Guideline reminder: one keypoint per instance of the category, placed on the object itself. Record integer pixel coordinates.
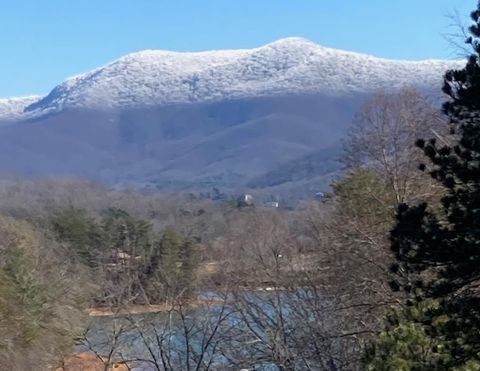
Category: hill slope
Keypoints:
(197, 120)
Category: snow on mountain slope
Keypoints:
(288, 66)
(13, 108)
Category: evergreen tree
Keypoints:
(170, 256)
(79, 230)
(124, 232)
(448, 243)
(188, 259)
(438, 250)
(169, 273)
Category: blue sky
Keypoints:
(44, 41)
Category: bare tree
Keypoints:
(458, 35)
(183, 336)
(287, 317)
(383, 135)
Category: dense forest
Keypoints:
(380, 274)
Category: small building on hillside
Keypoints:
(119, 257)
(272, 204)
(245, 200)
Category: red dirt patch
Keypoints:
(88, 362)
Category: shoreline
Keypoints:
(165, 307)
(145, 309)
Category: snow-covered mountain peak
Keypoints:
(287, 66)
(295, 42)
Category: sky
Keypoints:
(45, 41)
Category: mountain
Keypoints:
(289, 66)
(175, 120)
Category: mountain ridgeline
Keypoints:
(269, 118)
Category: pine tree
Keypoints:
(168, 271)
(438, 249)
(446, 244)
(189, 263)
(79, 230)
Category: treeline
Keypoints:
(132, 263)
